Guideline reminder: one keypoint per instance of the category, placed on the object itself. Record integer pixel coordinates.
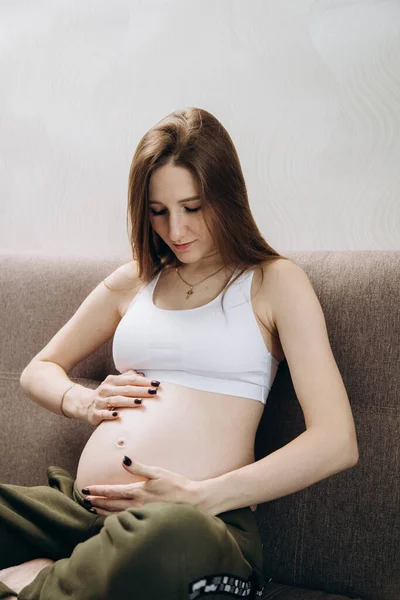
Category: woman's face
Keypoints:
(174, 196)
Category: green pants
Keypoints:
(162, 551)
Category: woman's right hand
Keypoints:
(118, 391)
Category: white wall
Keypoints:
(309, 92)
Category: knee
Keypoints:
(177, 522)
(183, 521)
(165, 526)
(156, 538)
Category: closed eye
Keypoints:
(162, 212)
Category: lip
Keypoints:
(183, 246)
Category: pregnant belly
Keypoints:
(191, 432)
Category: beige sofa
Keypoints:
(339, 538)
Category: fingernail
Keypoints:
(138, 401)
(152, 391)
(85, 491)
(87, 502)
(140, 373)
(115, 414)
(93, 510)
(155, 382)
(127, 461)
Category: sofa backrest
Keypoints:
(340, 534)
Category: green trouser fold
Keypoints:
(161, 551)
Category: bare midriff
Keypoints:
(194, 433)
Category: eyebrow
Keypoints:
(179, 201)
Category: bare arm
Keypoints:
(45, 383)
(45, 379)
(329, 444)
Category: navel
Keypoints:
(120, 442)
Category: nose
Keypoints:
(177, 228)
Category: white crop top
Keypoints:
(198, 347)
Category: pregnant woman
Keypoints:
(162, 505)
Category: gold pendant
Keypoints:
(190, 292)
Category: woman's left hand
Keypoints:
(161, 486)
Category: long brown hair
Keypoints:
(194, 139)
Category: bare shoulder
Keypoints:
(280, 267)
(277, 275)
(125, 283)
(124, 277)
(291, 296)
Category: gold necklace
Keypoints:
(190, 292)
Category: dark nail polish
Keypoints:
(85, 491)
(127, 461)
(140, 373)
(93, 510)
(155, 382)
(152, 391)
(87, 503)
(138, 401)
(115, 414)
